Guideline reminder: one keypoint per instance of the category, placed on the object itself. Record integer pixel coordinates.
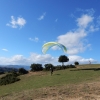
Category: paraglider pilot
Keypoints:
(51, 70)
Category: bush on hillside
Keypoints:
(22, 71)
(76, 63)
(59, 67)
(1, 72)
(9, 78)
(13, 72)
(72, 66)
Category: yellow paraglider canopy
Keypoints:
(48, 45)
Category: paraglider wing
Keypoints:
(48, 45)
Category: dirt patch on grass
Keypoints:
(40, 73)
(84, 91)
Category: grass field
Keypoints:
(38, 85)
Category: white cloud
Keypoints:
(15, 23)
(16, 59)
(87, 11)
(36, 39)
(33, 58)
(84, 20)
(42, 16)
(81, 60)
(5, 50)
(90, 11)
(42, 59)
(75, 40)
(93, 28)
(98, 20)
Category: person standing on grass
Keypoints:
(89, 62)
(51, 71)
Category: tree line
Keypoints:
(12, 76)
(61, 59)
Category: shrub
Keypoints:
(1, 72)
(59, 67)
(72, 66)
(14, 73)
(9, 78)
(76, 63)
(22, 71)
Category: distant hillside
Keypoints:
(5, 68)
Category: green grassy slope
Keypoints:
(60, 77)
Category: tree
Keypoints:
(36, 67)
(63, 59)
(48, 66)
(76, 63)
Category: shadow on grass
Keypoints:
(95, 69)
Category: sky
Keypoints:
(25, 25)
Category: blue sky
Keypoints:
(25, 25)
